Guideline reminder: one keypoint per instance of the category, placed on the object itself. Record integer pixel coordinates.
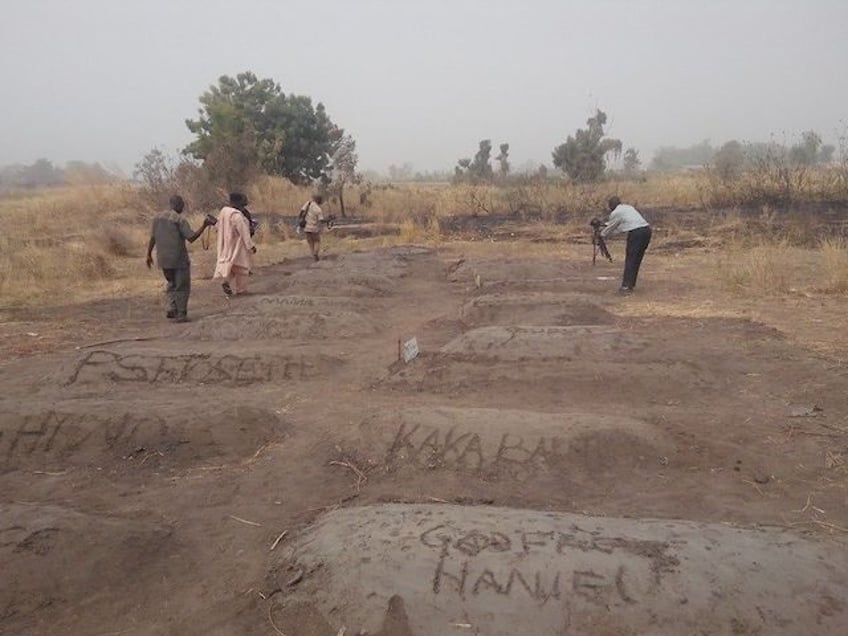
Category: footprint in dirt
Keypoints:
(306, 620)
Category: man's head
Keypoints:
(238, 199)
(318, 199)
(613, 202)
(177, 203)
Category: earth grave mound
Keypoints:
(535, 308)
(64, 558)
(509, 444)
(523, 342)
(503, 571)
(194, 363)
(100, 432)
(334, 323)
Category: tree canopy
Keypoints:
(253, 123)
(479, 169)
(583, 155)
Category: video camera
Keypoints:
(598, 242)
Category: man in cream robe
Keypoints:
(235, 246)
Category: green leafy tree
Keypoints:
(583, 155)
(246, 124)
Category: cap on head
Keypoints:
(177, 203)
(238, 199)
(613, 202)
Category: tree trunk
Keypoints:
(341, 200)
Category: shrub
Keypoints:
(116, 241)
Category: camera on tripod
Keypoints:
(598, 242)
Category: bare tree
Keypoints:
(344, 162)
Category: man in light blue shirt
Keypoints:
(626, 219)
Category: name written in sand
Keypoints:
(108, 366)
(539, 566)
(464, 450)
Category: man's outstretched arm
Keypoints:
(192, 236)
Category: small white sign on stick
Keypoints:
(410, 350)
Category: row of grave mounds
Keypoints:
(418, 570)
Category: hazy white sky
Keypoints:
(423, 80)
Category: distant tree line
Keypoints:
(42, 173)
(582, 156)
(735, 156)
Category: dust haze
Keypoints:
(423, 82)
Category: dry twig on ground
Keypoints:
(360, 476)
(278, 539)
(245, 521)
(273, 624)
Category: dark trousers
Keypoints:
(179, 286)
(637, 243)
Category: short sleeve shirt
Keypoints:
(170, 231)
(314, 216)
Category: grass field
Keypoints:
(83, 242)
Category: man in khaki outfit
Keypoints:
(311, 217)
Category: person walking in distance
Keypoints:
(310, 219)
(625, 219)
(235, 246)
(168, 234)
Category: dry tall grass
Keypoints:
(55, 243)
(760, 269)
(834, 255)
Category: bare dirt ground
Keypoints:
(158, 478)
